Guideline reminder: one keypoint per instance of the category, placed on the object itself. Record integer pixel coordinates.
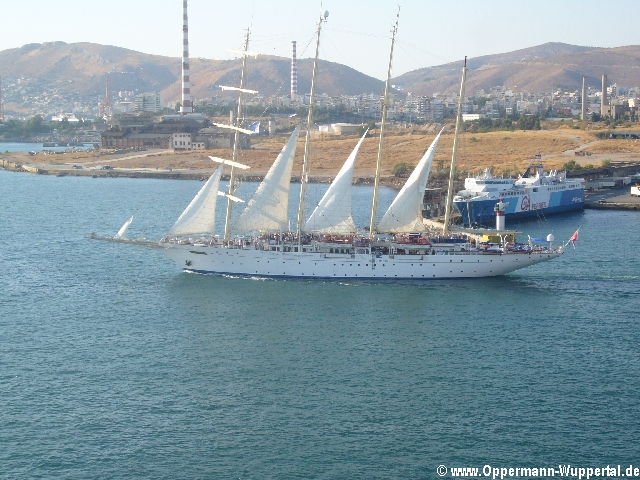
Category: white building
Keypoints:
(184, 141)
(467, 117)
(148, 102)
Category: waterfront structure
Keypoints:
(124, 139)
(186, 141)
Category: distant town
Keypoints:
(38, 109)
(141, 115)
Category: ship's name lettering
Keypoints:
(538, 206)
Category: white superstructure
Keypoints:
(534, 193)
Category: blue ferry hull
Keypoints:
(521, 206)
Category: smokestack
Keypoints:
(294, 73)
(584, 98)
(105, 109)
(604, 103)
(186, 108)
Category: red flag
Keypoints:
(574, 238)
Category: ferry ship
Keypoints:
(535, 193)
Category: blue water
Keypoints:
(33, 147)
(114, 364)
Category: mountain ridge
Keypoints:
(83, 68)
(538, 69)
(87, 65)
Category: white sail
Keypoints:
(200, 215)
(405, 213)
(123, 229)
(267, 210)
(333, 213)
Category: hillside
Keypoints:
(536, 69)
(83, 68)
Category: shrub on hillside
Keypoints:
(402, 169)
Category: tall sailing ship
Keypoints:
(327, 244)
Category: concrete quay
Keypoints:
(615, 199)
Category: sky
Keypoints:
(356, 34)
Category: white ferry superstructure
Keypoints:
(533, 194)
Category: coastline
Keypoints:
(174, 174)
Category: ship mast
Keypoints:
(447, 213)
(305, 161)
(376, 185)
(236, 141)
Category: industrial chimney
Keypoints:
(105, 109)
(584, 98)
(604, 103)
(294, 73)
(186, 108)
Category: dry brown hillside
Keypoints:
(506, 153)
(560, 68)
(83, 68)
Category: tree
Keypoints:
(529, 122)
(402, 169)
(571, 165)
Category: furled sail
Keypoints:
(405, 213)
(200, 215)
(333, 213)
(267, 210)
(123, 230)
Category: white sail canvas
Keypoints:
(123, 230)
(405, 213)
(200, 215)
(267, 210)
(333, 213)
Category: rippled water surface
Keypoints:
(114, 364)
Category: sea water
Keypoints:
(35, 147)
(115, 364)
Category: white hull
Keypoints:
(261, 263)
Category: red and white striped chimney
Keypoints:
(186, 107)
(294, 73)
